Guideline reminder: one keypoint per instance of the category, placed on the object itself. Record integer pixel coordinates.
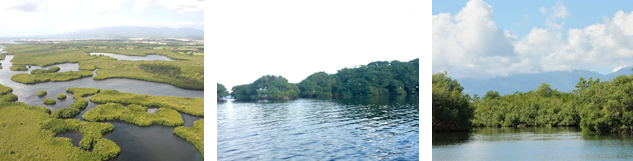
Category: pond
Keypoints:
(154, 142)
(312, 129)
(531, 143)
(135, 58)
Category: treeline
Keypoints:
(380, 78)
(595, 106)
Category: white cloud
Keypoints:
(459, 47)
(101, 6)
(183, 5)
(21, 5)
(140, 5)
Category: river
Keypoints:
(384, 128)
(156, 142)
(531, 143)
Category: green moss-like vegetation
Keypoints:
(61, 96)
(193, 106)
(18, 68)
(135, 114)
(41, 93)
(28, 133)
(80, 102)
(45, 77)
(3, 56)
(49, 70)
(49, 101)
(187, 72)
(193, 134)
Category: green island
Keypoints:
(41, 93)
(61, 96)
(595, 106)
(380, 78)
(18, 68)
(25, 129)
(134, 113)
(194, 134)
(186, 72)
(46, 76)
(192, 106)
(79, 104)
(49, 101)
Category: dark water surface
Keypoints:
(310, 129)
(154, 142)
(532, 143)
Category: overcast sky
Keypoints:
(483, 39)
(43, 17)
(294, 39)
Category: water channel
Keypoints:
(156, 142)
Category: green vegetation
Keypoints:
(46, 76)
(451, 107)
(49, 101)
(193, 134)
(61, 96)
(28, 133)
(18, 68)
(2, 56)
(80, 102)
(221, 92)
(595, 106)
(135, 114)
(41, 93)
(380, 78)
(6, 95)
(187, 72)
(268, 88)
(49, 70)
(193, 106)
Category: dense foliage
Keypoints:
(49, 101)
(45, 76)
(41, 93)
(221, 92)
(380, 78)
(49, 70)
(192, 106)
(79, 104)
(135, 114)
(193, 134)
(18, 68)
(451, 107)
(266, 88)
(61, 96)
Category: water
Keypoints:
(73, 135)
(154, 142)
(135, 58)
(532, 143)
(311, 129)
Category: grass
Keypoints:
(49, 70)
(49, 101)
(192, 106)
(18, 68)
(41, 93)
(135, 114)
(193, 134)
(187, 72)
(28, 133)
(61, 96)
(46, 76)
(80, 102)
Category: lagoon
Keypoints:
(379, 128)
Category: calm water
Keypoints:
(154, 142)
(311, 129)
(135, 58)
(532, 143)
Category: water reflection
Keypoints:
(323, 129)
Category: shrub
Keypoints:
(41, 93)
(61, 96)
(49, 101)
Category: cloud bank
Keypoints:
(471, 45)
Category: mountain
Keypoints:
(561, 80)
(131, 32)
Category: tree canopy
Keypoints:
(221, 91)
(267, 88)
(451, 107)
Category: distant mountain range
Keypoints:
(561, 80)
(131, 32)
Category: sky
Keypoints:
(294, 39)
(44, 17)
(485, 39)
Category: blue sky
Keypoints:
(42, 17)
(550, 48)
